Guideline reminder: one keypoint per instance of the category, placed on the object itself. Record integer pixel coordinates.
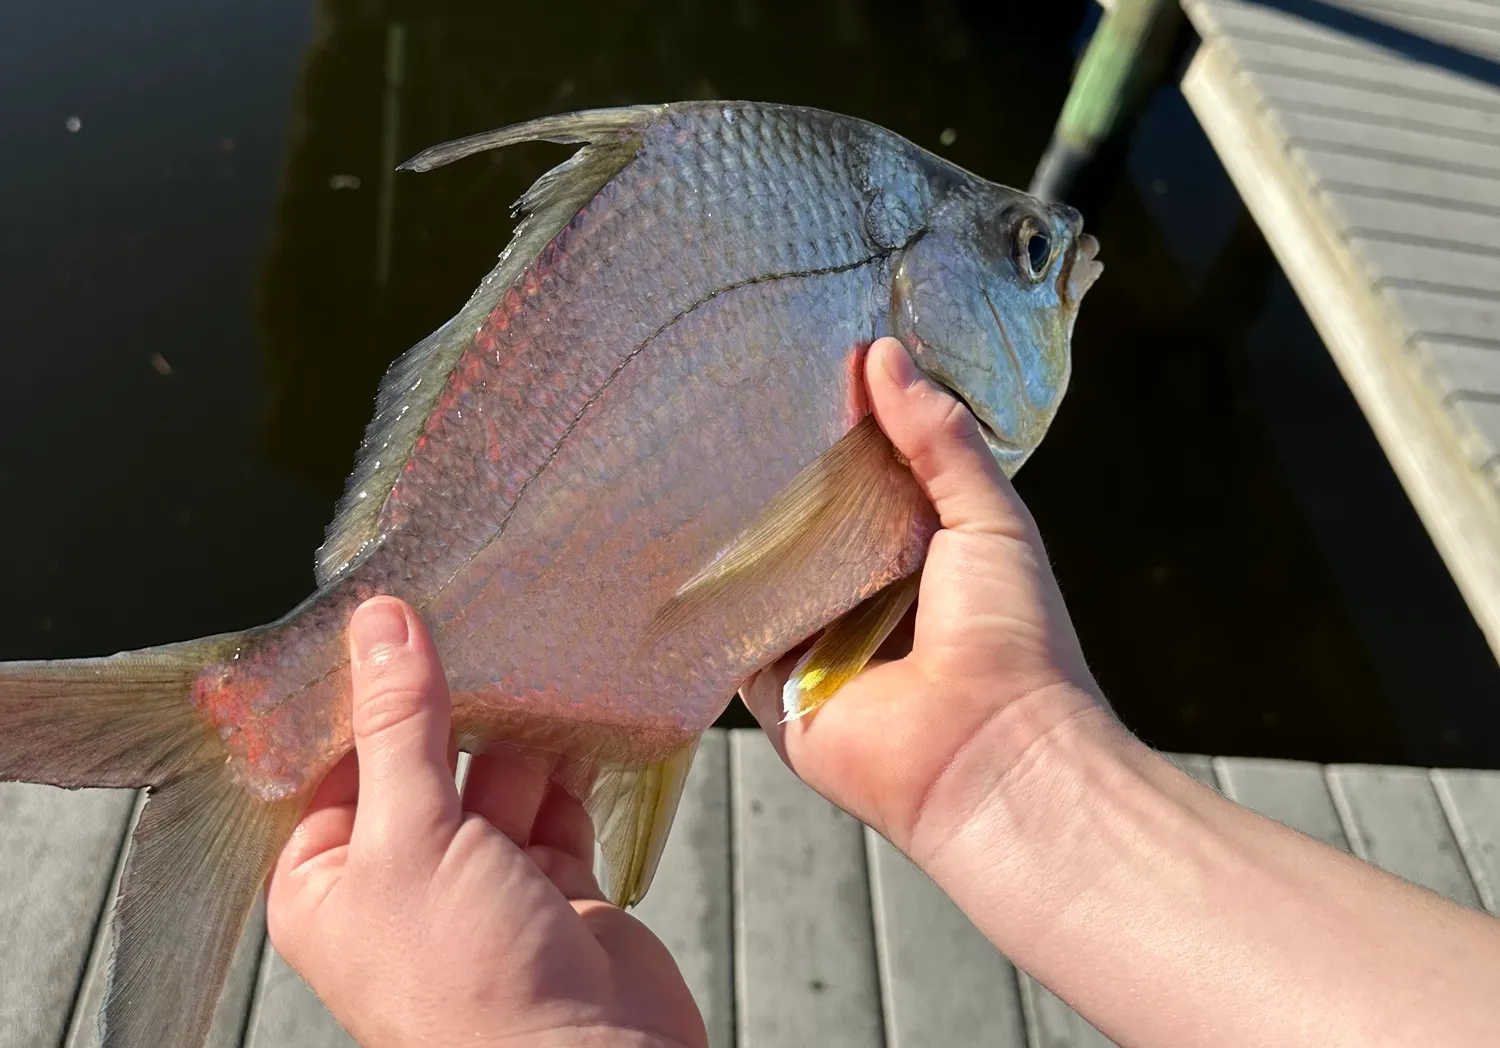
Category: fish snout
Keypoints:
(1082, 270)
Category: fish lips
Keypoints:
(1081, 270)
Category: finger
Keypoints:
(506, 787)
(570, 875)
(941, 439)
(328, 821)
(563, 823)
(408, 801)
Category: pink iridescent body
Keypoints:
(611, 419)
(668, 364)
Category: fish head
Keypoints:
(984, 298)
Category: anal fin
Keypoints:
(845, 648)
(632, 807)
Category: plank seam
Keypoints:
(1374, 119)
(884, 1027)
(1332, 186)
(1442, 287)
(1456, 247)
(731, 816)
(1400, 159)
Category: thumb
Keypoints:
(942, 441)
(407, 798)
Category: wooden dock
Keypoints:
(793, 924)
(1364, 137)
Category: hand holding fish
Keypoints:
(1157, 908)
(421, 916)
(995, 665)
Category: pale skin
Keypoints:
(1167, 915)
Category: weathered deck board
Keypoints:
(57, 856)
(1471, 802)
(804, 942)
(1291, 792)
(1364, 136)
(1392, 818)
(288, 1013)
(793, 924)
(941, 981)
(688, 906)
(1052, 1024)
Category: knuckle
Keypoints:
(385, 705)
(957, 422)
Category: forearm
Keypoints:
(1170, 916)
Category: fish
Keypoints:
(636, 467)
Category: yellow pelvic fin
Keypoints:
(632, 807)
(845, 648)
(849, 498)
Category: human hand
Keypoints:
(915, 746)
(421, 917)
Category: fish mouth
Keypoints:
(1000, 446)
(1081, 270)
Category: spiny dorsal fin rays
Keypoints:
(848, 498)
(845, 648)
(586, 127)
(410, 389)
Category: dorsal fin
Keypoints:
(610, 139)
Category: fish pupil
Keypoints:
(1038, 251)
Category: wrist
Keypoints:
(1005, 779)
(1042, 811)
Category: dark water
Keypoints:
(206, 262)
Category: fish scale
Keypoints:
(634, 468)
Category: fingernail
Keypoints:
(377, 625)
(899, 366)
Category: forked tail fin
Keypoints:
(202, 847)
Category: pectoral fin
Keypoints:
(849, 499)
(845, 648)
(632, 807)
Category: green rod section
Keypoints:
(1127, 43)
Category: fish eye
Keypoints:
(1033, 249)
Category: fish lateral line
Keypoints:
(845, 267)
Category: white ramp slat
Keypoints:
(1393, 819)
(941, 981)
(688, 906)
(1304, 195)
(1471, 801)
(58, 850)
(1430, 147)
(230, 1013)
(804, 941)
(288, 1014)
(1293, 793)
(1413, 222)
(1053, 1024)
(1291, 92)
